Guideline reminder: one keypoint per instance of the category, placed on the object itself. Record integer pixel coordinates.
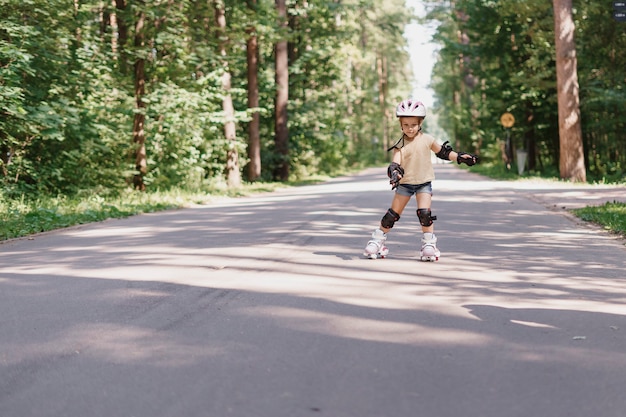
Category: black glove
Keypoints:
(395, 173)
(463, 158)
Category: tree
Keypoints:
(139, 133)
(252, 58)
(571, 158)
(282, 95)
(233, 174)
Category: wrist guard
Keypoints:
(395, 173)
(467, 159)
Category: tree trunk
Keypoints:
(233, 176)
(139, 135)
(139, 138)
(381, 69)
(282, 96)
(571, 158)
(254, 136)
(463, 98)
(119, 23)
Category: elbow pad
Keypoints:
(444, 153)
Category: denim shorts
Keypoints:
(409, 189)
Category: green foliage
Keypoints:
(68, 99)
(187, 143)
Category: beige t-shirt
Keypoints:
(416, 159)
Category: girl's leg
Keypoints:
(376, 246)
(423, 202)
(398, 204)
(429, 251)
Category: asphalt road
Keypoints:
(264, 306)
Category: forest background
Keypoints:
(100, 98)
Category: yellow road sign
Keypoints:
(507, 120)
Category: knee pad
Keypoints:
(389, 219)
(426, 219)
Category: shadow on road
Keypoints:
(265, 306)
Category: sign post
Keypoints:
(507, 120)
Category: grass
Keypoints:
(612, 216)
(23, 217)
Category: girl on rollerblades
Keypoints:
(411, 173)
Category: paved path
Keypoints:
(264, 306)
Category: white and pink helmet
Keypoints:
(411, 107)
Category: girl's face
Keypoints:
(411, 125)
